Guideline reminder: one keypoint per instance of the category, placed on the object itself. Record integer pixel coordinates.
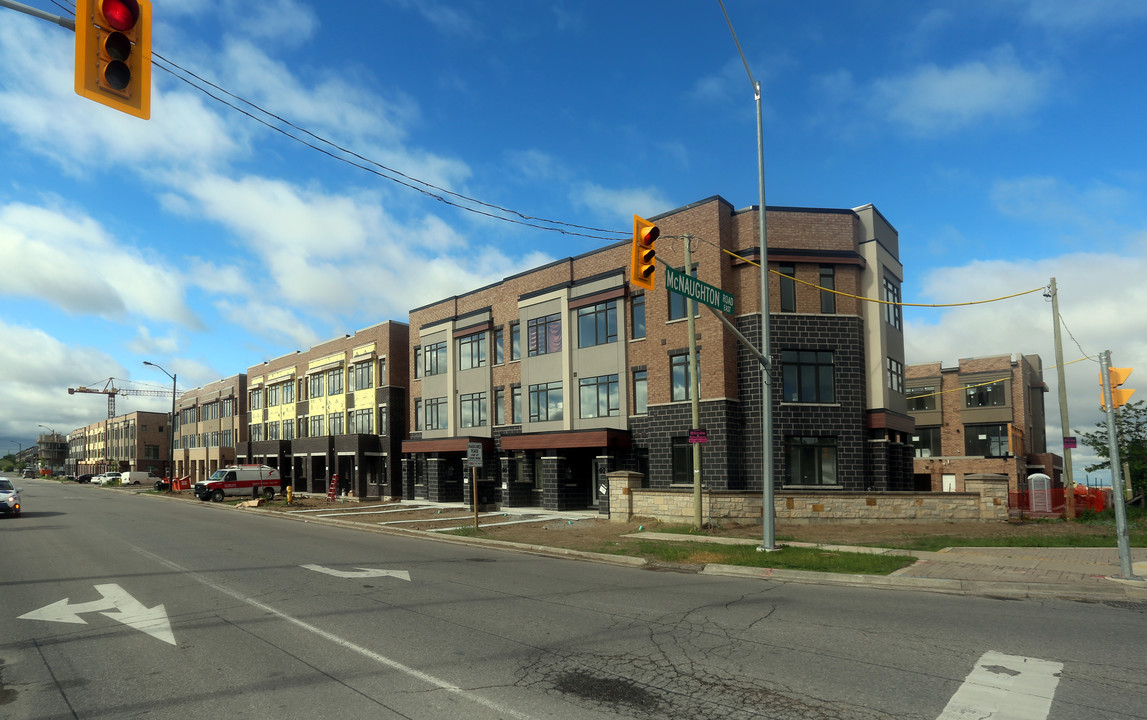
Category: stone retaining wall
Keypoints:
(986, 500)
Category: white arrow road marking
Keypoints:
(360, 573)
(116, 604)
(1005, 687)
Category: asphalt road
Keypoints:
(122, 605)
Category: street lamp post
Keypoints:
(171, 422)
(768, 511)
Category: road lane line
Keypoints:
(341, 642)
(1005, 687)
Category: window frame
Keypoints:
(597, 324)
(808, 371)
(602, 391)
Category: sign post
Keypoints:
(474, 461)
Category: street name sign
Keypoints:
(694, 289)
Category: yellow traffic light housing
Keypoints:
(113, 54)
(642, 267)
(1119, 396)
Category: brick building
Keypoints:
(984, 416)
(133, 441)
(338, 408)
(566, 372)
(211, 424)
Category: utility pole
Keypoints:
(694, 387)
(1068, 480)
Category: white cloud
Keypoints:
(67, 260)
(1072, 15)
(619, 205)
(932, 99)
(38, 104)
(38, 370)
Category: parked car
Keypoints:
(85, 478)
(135, 477)
(29, 473)
(9, 498)
(105, 478)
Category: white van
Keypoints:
(136, 477)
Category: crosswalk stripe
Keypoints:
(1005, 687)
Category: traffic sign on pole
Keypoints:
(694, 289)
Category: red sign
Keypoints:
(698, 436)
(1069, 443)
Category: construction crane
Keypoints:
(111, 391)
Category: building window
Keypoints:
(316, 426)
(418, 414)
(926, 441)
(499, 346)
(472, 407)
(546, 402)
(381, 372)
(991, 395)
(892, 302)
(827, 282)
(472, 351)
(986, 440)
(435, 356)
(255, 432)
(808, 376)
(288, 392)
(437, 415)
(515, 341)
(272, 431)
(599, 396)
(895, 375)
(418, 361)
(383, 420)
(288, 426)
(921, 398)
(640, 392)
(811, 460)
(678, 303)
(256, 401)
(335, 383)
(683, 461)
(500, 406)
(597, 324)
(637, 313)
(315, 385)
(335, 421)
(273, 396)
(679, 374)
(544, 335)
(228, 440)
(362, 422)
(788, 288)
(516, 403)
(363, 375)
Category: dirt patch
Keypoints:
(601, 535)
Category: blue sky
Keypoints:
(1001, 138)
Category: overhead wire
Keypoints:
(869, 299)
(431, 190)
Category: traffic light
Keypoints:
(642, 269)
(1119, 396)
(113, 54)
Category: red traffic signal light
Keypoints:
(113, 54)
(642, 267)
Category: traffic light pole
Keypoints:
(64, 22)
(1121, 530)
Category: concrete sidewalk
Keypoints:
(1090, 574)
